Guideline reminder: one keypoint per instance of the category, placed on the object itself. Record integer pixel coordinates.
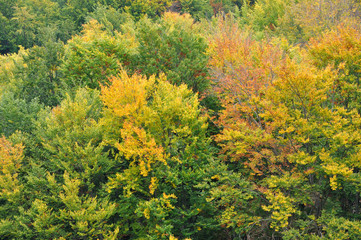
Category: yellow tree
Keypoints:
(158, 134)
(10, 157)
(340, 49)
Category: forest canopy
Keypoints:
(187, 119)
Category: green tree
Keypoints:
(65, 173)
(6, 42)
(112, 19)
(136, 164)
(197, 8)
(37, 77)
(72, 139)
(174, 46)
(90, 59)
(17, 114)
(8, 68)
(31, 18)
(77, 10)
(139, 8)
(25, 23)
(263, 15)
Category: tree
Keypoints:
(6, 42)
(66, 173)
(306, 19)
(26, 26)
(112, 19)
(197, 8)
(139, 8)
(72, 139)
(135, 164)
(283, 131)
(340, 48)
(174, 46)
(95, 56)
(263, 15)
(159, 133)
(37, 77)
(77, 10)
(8, 66)
(11, 156)
(17, 114)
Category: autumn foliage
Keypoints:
(282, 125)
(180, 119)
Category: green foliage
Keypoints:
(37, 77)
(6, 8)
(9, 64)
(139, 8)
(263, 15)
(68, 143)
(78, 217)
(332, 227)
(225, 6)
(157, 151)
(197, 8)
(235, 199)
(25, 24)
(174, 46)
(92, 58)
(72, 139)
(112, 19)
(77, 10)
(31, 18)
(6, 42)
(83, 216)
(11, 156)
(17, 114)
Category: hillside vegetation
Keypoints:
(188, 119)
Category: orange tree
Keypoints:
(282, 130)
